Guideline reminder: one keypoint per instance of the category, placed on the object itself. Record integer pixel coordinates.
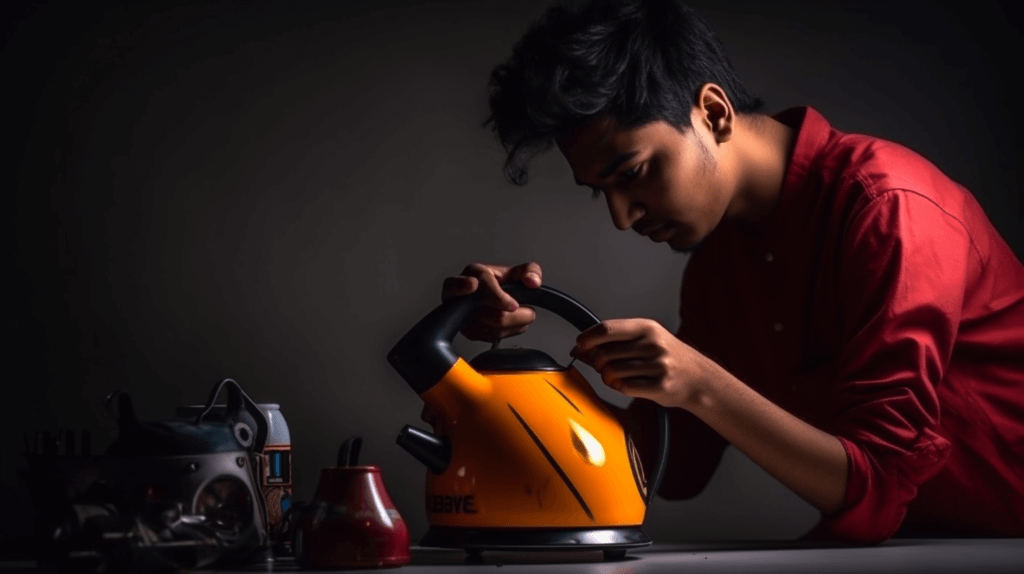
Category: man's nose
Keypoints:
(624, 211)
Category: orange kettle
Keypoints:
(523, 453)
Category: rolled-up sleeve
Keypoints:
(905, 262)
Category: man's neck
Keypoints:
(765, 146)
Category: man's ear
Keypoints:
(715, 112)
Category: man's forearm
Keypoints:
(809, 461)
(640, 358)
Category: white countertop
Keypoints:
(932, 556)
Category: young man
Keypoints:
(850, 319)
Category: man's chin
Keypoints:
(685, 249)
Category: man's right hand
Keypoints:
(501, 316)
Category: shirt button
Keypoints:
(778, 327)
(769, 257)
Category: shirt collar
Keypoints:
(812, 135)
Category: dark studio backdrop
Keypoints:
(274, 191)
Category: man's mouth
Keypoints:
(647, 229)
(662, 234)
(658, 232)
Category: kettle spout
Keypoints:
(432, 451)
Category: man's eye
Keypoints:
(632, 172)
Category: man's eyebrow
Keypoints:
(616, 162)
(612, 166)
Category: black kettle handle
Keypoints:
(424, 355)
(663, 447)
(553, 300)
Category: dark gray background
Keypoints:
(274, 191)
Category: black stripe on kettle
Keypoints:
(564, 397)
(554, 464)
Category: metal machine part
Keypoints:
(168, 495)
(273, 468)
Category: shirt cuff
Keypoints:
(880, 483)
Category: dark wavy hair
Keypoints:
(636, 61)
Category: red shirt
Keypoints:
(880, 306)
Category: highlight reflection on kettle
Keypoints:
(523, 454)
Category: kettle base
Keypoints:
(614, 539)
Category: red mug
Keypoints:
(351, 523)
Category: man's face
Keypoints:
(662, 183)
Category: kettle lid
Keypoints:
(515, 359)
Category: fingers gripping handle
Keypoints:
(425, 354)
